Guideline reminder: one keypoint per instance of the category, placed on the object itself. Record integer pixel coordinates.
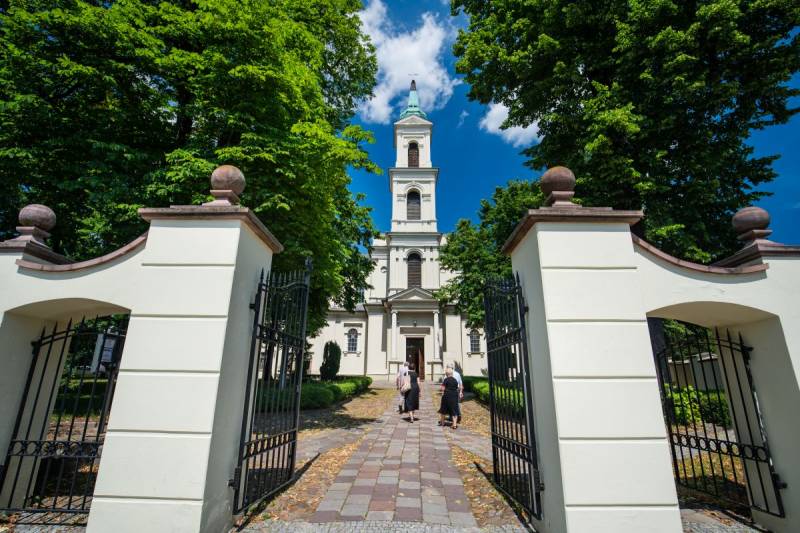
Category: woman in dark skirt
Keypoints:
(449, 406)
(411, 402)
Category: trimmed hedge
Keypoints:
(320, 394)
(690, 405)
(506, 397)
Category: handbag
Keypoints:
(406, 386)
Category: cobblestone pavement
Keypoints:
(401, 473)
(472, 442)
(368, 526)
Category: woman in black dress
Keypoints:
(449, 406)
(411, 402)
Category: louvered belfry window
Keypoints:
(413, 207)
(413, 155)
(414, 271)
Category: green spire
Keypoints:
(413, 103)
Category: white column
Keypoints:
(395, 355)
(607, 457)
(437, 353)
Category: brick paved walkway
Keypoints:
(401, 472)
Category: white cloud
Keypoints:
(464, 114)
(516, 135)
(403, 55)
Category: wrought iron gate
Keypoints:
(268, 444)
(514, 455)
(713, 418)
(52, 460)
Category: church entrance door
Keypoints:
(415, 353)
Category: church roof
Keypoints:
(413, 103)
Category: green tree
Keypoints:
(650, 103)
(473, 251)
(331, 357)
(106, 107)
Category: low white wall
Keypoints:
(174, 428)
(762, 307)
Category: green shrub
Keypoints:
(690, 405)
(343, 389)
(469, 382)
(316, 396)
(714, 408)
(331, 357)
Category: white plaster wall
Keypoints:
(603, 441)
(525, 261)
(252, 258)
(762, 307)
(378, 325)
(475, 363)
(339, 323)
(419, 133)
(16, 334)
(173, 429)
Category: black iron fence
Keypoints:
(718, 441)
(271, 414)
(52, 460)
(513, 438)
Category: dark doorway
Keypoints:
(415, 354)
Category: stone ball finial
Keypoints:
(558, 186)
(751, 223)
(38, 216)
(557, 179)
(228, 178)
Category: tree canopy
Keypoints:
(106, 107)
(650, 103)
(473, 251)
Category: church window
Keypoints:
(414, 270)
(413, 155)
(352, 340)
(413, 205)
(474, 341)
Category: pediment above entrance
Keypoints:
(414, 294)
(414, 299)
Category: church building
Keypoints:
(400, 319)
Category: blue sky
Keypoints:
(414, 39)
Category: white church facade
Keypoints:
(400, 318)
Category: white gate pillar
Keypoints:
(173, 434)
(603, 449)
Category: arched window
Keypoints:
(352, 340)
(474, 341)
(414, 270)
(413, 205)
(413, 155)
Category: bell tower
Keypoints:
(412, 180)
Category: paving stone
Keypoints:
(380, 515)
(462, 519)
(354, 510)
(381, 505)
(435, 518)
(403, 501)
(356, 499)
(330, 505)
